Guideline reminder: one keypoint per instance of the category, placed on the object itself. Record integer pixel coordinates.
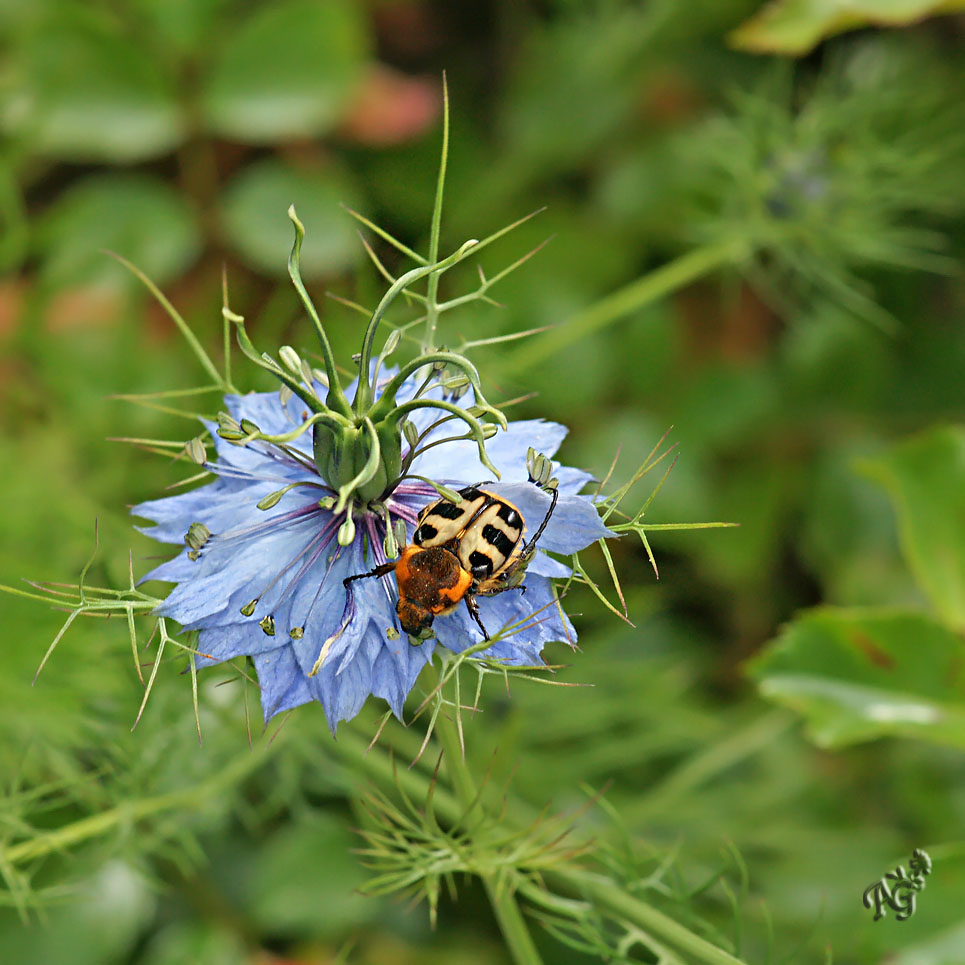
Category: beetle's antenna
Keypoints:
(382, 570)
(532, 543)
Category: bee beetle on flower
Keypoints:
(462, 549)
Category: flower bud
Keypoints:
(291, 359)
(228, 428)
(346, 532)
(392, 342)
(196, 452)
(411, 433)
(271, 499)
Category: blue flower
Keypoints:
(267, 583)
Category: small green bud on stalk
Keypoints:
(411, 433)
(291, 359)
(346, 532)
(271, 499)
(196, 452)
(447, 493)
(392, 343)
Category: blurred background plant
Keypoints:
(804, 336)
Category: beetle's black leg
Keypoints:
(503, 589)
(382, 570)
(473, 609)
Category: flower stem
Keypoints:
(614, 899)
(432, 291)
(501, 897)
(651, 287)
(336, 399)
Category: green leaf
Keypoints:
(255, 221)
(857, 675)
(287, 70)
(137, 216)
(183, 26)
(86, 92)
(925, 478)
(797, 26)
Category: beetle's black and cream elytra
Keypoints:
(460, 551)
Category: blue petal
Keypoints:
(543, 565)
(230, 573)
(283, 685)
(217, 644)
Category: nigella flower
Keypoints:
(312, 488)
(267, 582)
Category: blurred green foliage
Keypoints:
(177, 133)
(796, 26)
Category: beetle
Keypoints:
(460, 551)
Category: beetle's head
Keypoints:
(416, 620)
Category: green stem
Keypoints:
(511, 923)
(651, 287)
(336, 399)
(432, 289)
(200, 354)
(364, 392)
(697, 771)
(501, 897)
(604, 894)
